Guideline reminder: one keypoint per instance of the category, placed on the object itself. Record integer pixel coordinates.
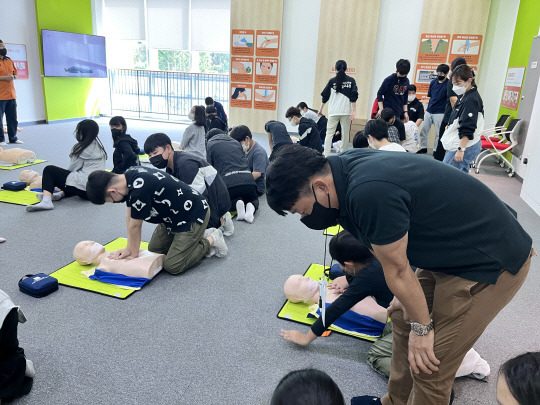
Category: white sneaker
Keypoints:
(18, 142)
(228, 226)
(3, 144)
(219, 243)
(240, 210)
(30, 371)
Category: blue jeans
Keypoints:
(470, 154)
(9, 107)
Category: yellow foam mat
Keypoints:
(299, 312)
(70, 275)
(37, 161)
(23, 197)
(333, 230)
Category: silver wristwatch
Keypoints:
(421, 329)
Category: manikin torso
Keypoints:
(17, 155)
(300, 288)
(147, 265)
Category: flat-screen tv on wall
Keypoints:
(66, 54)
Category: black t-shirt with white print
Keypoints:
(159, 198)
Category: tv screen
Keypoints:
(67, 54)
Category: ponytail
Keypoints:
(341, 67)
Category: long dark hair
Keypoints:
(341, 67)
(200, 116)
(522, 374)
(303, 105)
(346, 248)
(86, 132)
(308, 386)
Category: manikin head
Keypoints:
(88, 252)
(299, 288)
(28, 176)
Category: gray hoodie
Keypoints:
(92, 158)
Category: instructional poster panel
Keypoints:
(265, 97)
(467, 47)
(17, 53)
(267, 43)
(425, 73)
(512, 87)
(241, 69)
(433, 48)
(241, 95)
(266, 70)
(242, 42)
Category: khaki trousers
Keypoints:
(331, 126)
(461, 310)
(183, 249)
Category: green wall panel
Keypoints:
(66, 97)
(527, 24)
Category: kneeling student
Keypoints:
(181, 213)
(376, 132)
(257, 157)
(126, 149)
(308, 132)
(196, 172)
(229, 159)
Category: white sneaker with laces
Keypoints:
(219, 243)
(3, 144)
(228, 225)
(18, 142)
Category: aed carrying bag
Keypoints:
(14, 185)
(38, 285)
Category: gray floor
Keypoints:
(210, 335)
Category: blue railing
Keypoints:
(163, 95)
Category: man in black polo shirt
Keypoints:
(437, 223)
(159, 198)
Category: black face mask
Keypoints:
(117, 133)
(3, 52)
(321, 217)
(123, 200)
(441, 78)
(158, 161)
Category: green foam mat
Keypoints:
(299, 312)
(23, 197)
(333, 230)
(36, 162)
(70, 275)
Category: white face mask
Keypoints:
(411, 97)
(302, 112)
(372, 146)
(191, 116)
(245, 147)
(293, 123)
(459, 90)
(95, 251)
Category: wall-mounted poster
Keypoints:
(241, 69)
(466, 46)
(433, 48)
(267, 43)
(242, 42)
(512, 87)
(266, 70)
(425, 73)
(265, 97)
(17, 53)
(241, 95)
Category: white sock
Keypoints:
(240, 210)
(30, 371)
(250, 213)
(54, 197)
(45, 204)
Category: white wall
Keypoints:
(495, 56)
(19, 27)
(300, 33)
(397, 38)
(531, 186)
